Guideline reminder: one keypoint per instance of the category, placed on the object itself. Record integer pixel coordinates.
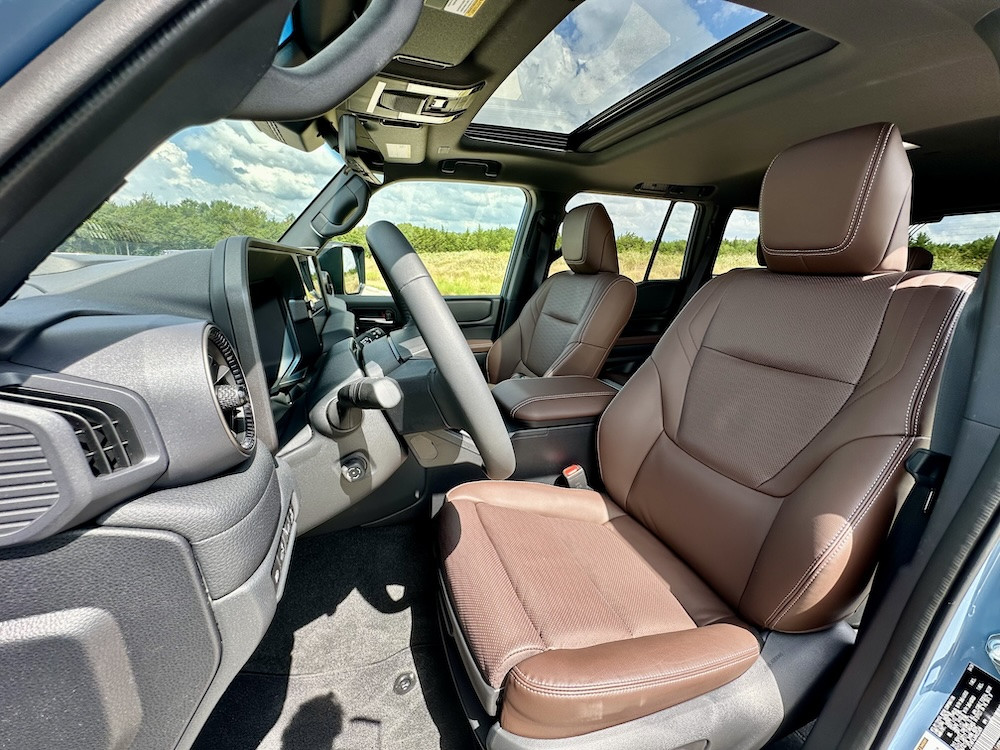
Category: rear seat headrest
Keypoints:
(589, 240)
(919, 258)
(839, 204)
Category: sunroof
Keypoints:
(602, 52)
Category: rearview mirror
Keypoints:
(345, 265)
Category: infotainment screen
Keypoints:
(278, 351)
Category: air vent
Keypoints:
(27, 486)
(231, 393)
(104, 434)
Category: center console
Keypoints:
(553, 422)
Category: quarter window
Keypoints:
(739, 242)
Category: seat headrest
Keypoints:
(839, 204)
(588, 242)
(919, 258)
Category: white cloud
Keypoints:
(605, 50)
(959, 229)
(743, 224)
(454, 206)
(641, 216)
(232, 161)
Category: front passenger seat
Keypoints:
(570, 324)
(752, 468)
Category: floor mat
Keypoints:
(353, 658)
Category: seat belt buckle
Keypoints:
(928, 469)
(576, 477)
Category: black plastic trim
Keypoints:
(756, 37)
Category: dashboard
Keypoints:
(163, 426)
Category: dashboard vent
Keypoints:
(27, 486)
(231, 394)
(102, 430)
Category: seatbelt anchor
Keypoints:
(928, 468)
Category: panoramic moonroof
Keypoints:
(602, 52)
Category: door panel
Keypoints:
(655, 306)
(477, 317)
(469, 310)
(373, 311)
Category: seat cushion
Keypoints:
(593, 619)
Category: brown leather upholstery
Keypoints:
(589, 240)
(752, 466)
(557, 400)
(570, 324)
(838, 204)
(579, 628)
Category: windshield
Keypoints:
(204, 184)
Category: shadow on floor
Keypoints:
(358, 615)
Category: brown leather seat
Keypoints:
(570, 324)
(752, 467)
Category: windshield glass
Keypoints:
(202, 185)
(602, 52)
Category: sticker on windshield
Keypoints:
(467, 8)
(968, 720)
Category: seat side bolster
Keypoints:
(568, 692)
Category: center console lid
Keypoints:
(551, 401)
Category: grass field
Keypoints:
(482, 272)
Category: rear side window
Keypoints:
(961, 242)
(739, 242)
(638, 224)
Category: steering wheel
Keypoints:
(447, 346)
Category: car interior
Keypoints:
(327, 488)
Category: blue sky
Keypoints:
(603, 51)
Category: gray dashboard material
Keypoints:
(161, 358)
(229, 520)
(147, 582)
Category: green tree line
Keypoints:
(147, 226)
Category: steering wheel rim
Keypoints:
(447, 345)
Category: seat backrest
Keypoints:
(764, 440)
(570, 324)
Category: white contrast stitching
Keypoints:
(862, 203)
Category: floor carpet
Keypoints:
(353, 658)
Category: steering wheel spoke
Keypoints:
(447, 345)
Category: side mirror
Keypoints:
(344, 265)
(353, 261)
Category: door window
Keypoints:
(463, 232)
(652, 234)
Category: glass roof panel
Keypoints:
(602, 52)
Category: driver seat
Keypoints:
(571, 322)
(752, 468)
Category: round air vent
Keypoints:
(231, 394)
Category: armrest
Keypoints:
(480, 346)
(563, 399)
